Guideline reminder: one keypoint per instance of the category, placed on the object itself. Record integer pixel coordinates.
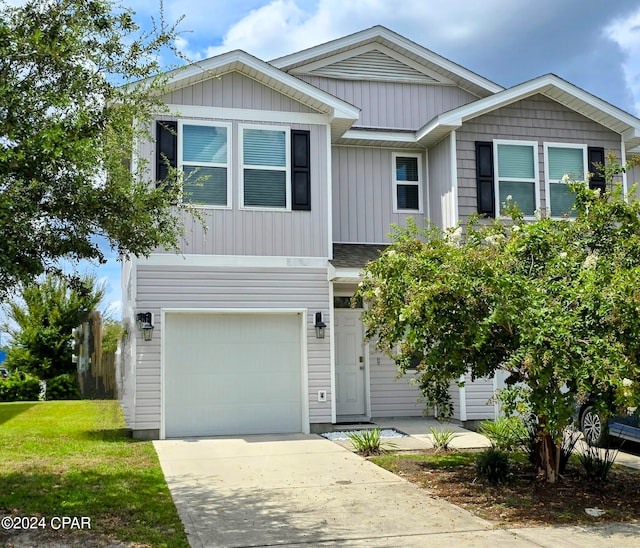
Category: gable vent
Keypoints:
(373, 65)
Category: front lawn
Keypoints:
(73, 459)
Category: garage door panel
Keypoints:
(231, 374)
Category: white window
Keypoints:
(562, 159)
(203, 156)
(407, 182)
(265, 166)
(516, 174)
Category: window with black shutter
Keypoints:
(597, 180)
(300, 170)
(166, 148)
(484, 178)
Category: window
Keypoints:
(204, 159)
(516, 173)
(407, 182)
(560, 160)
(265, 161)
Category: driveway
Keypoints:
(303, 489)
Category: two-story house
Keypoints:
(308, 160)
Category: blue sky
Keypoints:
(595, 44)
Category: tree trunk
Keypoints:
(547, 454)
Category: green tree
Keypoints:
(70, 115)
(555, 303)
(43, 316)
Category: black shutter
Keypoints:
(300, 170)
(595, 155)
(166, 148)
(484, 178)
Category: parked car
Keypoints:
(596, 430)
(4, 373)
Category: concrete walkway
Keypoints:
(301, 490)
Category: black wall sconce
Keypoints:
(143, 321)
(320, 326)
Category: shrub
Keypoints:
(505, 433)
(369, 442)
(63, 387)
(442, 438)
(597, 462)
(19, 387)
(494, 465)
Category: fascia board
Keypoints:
(399, 136)
(239, 59)
(384, 33)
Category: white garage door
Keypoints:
(229, 374)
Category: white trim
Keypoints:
(536, 171)
(242, 62)
(375, 46)
(454, 178)
(369, 135)
(379, 31)
(229, 127)
(623, 161)
(287, 168)
(346, 274)
(463, 398)
(427, 180)
(329, 168)
(242, 261)
(304, 361)
(395, 182)
(332, 354)
(547, 177)
(240, 114)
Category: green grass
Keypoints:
(73, 458)
(435, 461)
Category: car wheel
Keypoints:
(592, 427)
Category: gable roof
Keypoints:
(549, 85)
(341, 113)
(372, 54)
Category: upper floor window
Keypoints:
(562, 159)
(204, 159)
(265, 166)
(407, 182)
(516, 174)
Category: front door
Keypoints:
(350, 364)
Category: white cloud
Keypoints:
(626, 33)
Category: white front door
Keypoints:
(350, 363)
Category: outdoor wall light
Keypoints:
(320, 326)
(143, 321)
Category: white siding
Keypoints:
(478, 395)
(229, 288)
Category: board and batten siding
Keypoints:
(235, 90)
(394, 105)
(186, 287)
(536, 118)
(441, 198)
(363, 194)
(392, 396)
(258, 232)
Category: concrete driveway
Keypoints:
(303, 489)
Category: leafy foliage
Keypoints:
(553, 302)
(494, 465)
(44, 314)
(63, 387)
(442, 438)
(67, 132)
(19, 388)
(505, 433)
(597, 462)
(112, 332)
(369, 442)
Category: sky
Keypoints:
(594, 44)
